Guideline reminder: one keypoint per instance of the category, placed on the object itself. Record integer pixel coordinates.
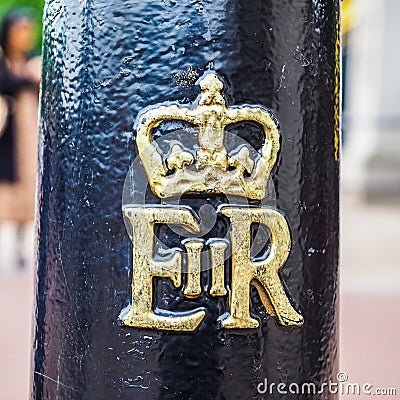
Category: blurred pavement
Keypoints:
(370, 295)
(16, 298)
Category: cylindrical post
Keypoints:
(188, 200)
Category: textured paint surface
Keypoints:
(103, 62)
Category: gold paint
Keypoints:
(211, 170)
(337, 105)
(217, 250)
(140, 313)
(179, 158)
(245, 271)
(193, 249)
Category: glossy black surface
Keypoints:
(105, 61)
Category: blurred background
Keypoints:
(370, 200)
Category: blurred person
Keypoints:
(19, 84)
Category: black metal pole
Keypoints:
(108, 67)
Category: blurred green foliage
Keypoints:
(36, 6)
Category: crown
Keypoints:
(210, 169)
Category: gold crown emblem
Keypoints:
(212, 169)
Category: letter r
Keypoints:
(262, 274)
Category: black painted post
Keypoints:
(104, 64)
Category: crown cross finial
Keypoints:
(211, 87)
(212, 169)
